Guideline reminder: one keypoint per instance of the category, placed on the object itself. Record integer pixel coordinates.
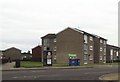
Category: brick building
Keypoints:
(49, 43)
(37, 53)
(12, 53)
(89, 48)
(113, 53)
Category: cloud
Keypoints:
(23, 22)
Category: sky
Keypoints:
(24, 22)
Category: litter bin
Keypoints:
(17, 63)
(74, 62)
(78, 62)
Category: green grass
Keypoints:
(60, 65)
(31, 64)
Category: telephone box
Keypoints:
(47, 58)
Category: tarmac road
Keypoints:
(59, 74)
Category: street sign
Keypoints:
(72, 55)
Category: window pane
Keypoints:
(85, 38)
(91, 38)
(91, 47)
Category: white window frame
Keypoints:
(91, 57)
(85, 47)
(90, 47)
(55, 48)
(85, 56)
(91, 38)
(101, 41)
(85, 39)
(117, 53)
(111, 57)
(55, 40)
(111, 51)
(104, 42)
(104, 49)
(104, 57)
(85, 52)
(101, 49)
(101, 57)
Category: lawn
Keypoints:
(31, 64)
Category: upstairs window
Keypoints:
(101, 41)
(85, 39)
(104, 49)
(46, 42)
(91, 38)
(101, 49)
(104, 42)
(85, 47)
(91, 47)
(55, 48)
(55, 40)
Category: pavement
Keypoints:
(111, 76)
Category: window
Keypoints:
(55, 40)
(104, 54)
(91, 38)
(85, 52)
(104, 42)
(111, 57)
(91, 47)
(104, 58)
(100, 57)
(85, 38)
(25, 57)
(85, 57)
(55, 48)
(46, 42)
(114, 58)
(101, 41)
(55, 57)
(91, 57)
(111, 52)
(117, 53)
(104, 49)
(85, 47)
(114, 51)
(45, 48)
(101, 49)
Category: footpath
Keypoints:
(112, 76)
(10, 67)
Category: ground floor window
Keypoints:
(85, 58)
(91, 57)
(100, 57)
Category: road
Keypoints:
(59, 74)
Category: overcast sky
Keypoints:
(24, 22)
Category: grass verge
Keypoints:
(31, 64)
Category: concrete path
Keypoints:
(112, 76)
(8, 66)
